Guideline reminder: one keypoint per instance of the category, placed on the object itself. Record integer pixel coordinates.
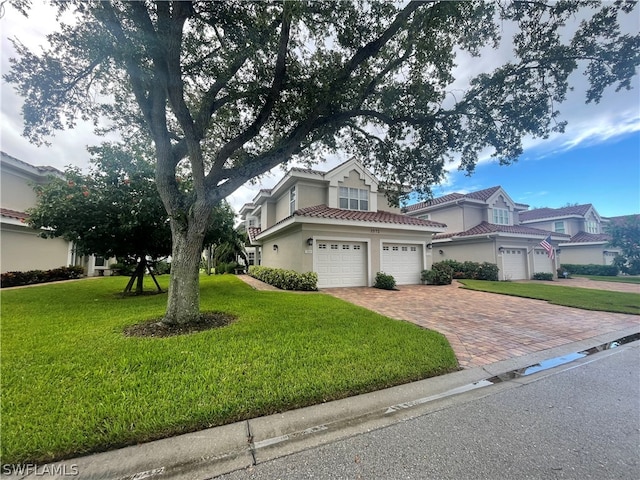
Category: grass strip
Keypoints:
(585, 298)
(72, 383)
(619, 279)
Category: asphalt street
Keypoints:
(577, 421)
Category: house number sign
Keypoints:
(375, 230)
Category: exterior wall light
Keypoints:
(429, 246)
(310, 241)
(441, 252)
(275, 248)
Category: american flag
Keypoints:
(546, 244)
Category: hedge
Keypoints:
(472, 270)
(591, 269)
(16, 279)
(385, 281)
(285, 279)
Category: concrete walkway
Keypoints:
(484, 328)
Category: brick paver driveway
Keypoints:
(484, 327)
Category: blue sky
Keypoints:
(605, 174)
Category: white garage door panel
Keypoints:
(541, 262)
(341, 264)
(514, 263)
(403, 262)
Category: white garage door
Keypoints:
(341, 264)
(402, 261)
(514, 263)
(541, 262)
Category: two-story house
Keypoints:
(340, 225)
(485, 226)
(588, 243)
(21, 249)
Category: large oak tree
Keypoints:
(232, 89)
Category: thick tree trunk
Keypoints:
(183, 304)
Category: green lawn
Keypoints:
(621, 279)
(72, 383)
(585, 298)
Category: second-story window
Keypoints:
(558, 227)
(592, 227)
(354, 198)
(292, 200)
(501, 216)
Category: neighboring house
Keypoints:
(588, 243)
(340, 225)
(21, 249)
(485, 226)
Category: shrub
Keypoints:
(487, 271)
(16, 279)
(542, 276)
(441, 273)
(161, 267)
(471, 270)
(591, 269)
(285, 279)
(384, 281)
(122, 269)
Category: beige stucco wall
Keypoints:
(17, 193)
(583, 255)
(353, 181)
(479, 251)
(21, 250)
(267, 215)
(311, 195)
(473, 216)
(294, 253)
(383, 204)
(452, 216)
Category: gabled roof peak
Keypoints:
(482, 195)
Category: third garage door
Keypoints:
(402, 261)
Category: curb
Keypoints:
(216, 451)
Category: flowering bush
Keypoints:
(16, 279)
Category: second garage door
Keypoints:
(541, 262)
(341, 264)
(402, 261)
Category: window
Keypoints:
(334, 246)
(345, 246)
(100, 262)
(425, 216)
(252, 222)
(356, 247)
(395, 249)
(592, 227)
(251, 257)
(413, 249)
(558, 227)
(405, 249)
(292, 200)
(500, 216)
(322, 246)
(385, 248)
(354, 198)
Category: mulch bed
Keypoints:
(159, 329)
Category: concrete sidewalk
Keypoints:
(215, 451)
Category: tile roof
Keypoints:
(485, 228)
(253, 232)
(584, 237)
(5, 212)
(479, 195)
(322, 211)
(540, 213)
